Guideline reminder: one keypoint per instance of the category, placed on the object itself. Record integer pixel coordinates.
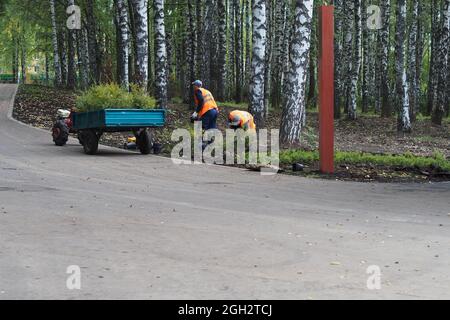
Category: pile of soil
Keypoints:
(37, 105)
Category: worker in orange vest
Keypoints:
(206, 108)
(238, 119)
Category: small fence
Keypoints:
(6, 78)
(39, 79)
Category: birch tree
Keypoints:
(190, 51)
(238, 50)
(383, 57)
(294, 93)
(63, 53)
(402, 89)
(208, 52)
(23, 60)
(442, 58)
(123, 43)
(47, 69)
(94, 61)
(84, 57)
(447, 111)
(420, 50)
(433, 65)
(288, 34)
(71, 67)
(338, 52)
(268, 57)
(355, 65)
(222, 55)
(366, 58)
(412, 59)
(160, 55)
(199, 37)
(248, 40)
(56, 61)
(258, 61)
(140, 13)
(15, 62)
(277, 58)
(348, 49)
(231, 76)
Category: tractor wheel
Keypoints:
(144, 141)
(60, 133)
(89, 138)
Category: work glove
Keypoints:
(194, 117)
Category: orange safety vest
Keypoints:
(209, 102)
(245, 118)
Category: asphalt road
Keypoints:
(142, 227)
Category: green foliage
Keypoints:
(177, 100)
(233, 104)
(408, 160)
(103, 97)
(6, 77)
(140, 98)
(113, 96)
(421, 117)
(310, 137)
(292, 155)
(29, 28)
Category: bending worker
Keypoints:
(241, 120)
(206, 108)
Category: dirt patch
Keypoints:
(37, 105)
(369, 173)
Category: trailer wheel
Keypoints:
(60, 133)
(144, 141)
(89, 138)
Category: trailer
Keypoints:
(89, 126)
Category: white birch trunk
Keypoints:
(63, 54)
(141, 28)
(222, 56)
(356, 65)
(295, 87)
(348, 49)
(122, 12)
(412, 58)
(403, 122)
(383, 88)
(258, 62)
(238, 50)
(56, 60)
(338, 53)
(160, 55)
(84, 57)
(71, 66)
(366, 58)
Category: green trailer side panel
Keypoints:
(89, 120)
(119, 118)
(132, 118)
